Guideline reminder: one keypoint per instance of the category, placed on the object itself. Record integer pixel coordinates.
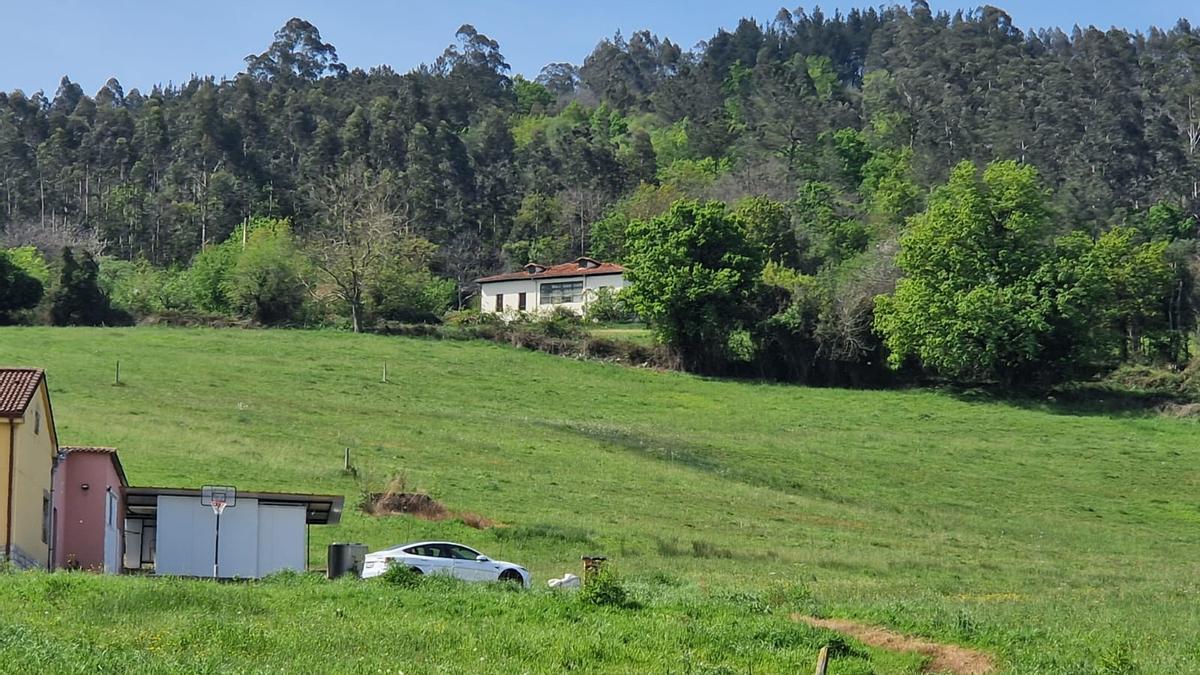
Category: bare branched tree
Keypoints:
(582, 207)
(357, 218)
(846, 331)
(51, 238)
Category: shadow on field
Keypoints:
(1083, 400)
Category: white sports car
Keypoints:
(445, 557)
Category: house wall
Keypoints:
(32, 461)
(532, 289)
(82, 525)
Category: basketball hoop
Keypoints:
(218, 497)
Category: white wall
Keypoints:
(282, 544)
(256, 539)
(531, 287)
(186, 529)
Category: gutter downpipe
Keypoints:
(59, 457)
(12, 456)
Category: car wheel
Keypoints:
(512, 577)
(416, 570)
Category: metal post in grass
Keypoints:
(385, 372)
(117, 378)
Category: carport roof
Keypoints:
(142, 502)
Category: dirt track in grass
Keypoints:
(942, 658)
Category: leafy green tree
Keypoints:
(970, 306)
(1119, 286)
(297, 52)
(691, 273)
(406, 289)
(768, 225)
(77, 300)
(266, 283)
(208, 277)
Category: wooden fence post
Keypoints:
(823, 660)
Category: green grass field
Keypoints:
(1062, 542)
(628, 332)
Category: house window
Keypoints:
(499, 302)
(521, 301)
(566, 291)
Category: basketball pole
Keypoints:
(217, 548)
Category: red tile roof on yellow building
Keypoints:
(17, 387)
(580, 267)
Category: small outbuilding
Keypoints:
(89, 510)
(171, 531)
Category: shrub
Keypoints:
(607, 306)
(560, 323)
(470, 317)
(402, 576)
(604, 588)
(266, 282)
(142, 290)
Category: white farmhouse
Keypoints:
(538, 288)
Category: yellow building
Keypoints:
(28, 446)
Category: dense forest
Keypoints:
(836, 160)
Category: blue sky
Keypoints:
(144, 42)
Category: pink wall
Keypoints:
(79, 533)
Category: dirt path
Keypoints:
(942, 658)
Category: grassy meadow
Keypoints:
(1061, 541)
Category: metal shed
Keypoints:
(169, 531)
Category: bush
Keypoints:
(604, 588)
(607, 306)
(470, 317)
(266, 281)
(560, 323)
(402, 576)
(142, 289)
(208, 278)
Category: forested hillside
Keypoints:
(837, 126)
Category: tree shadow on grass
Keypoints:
(1089, 399)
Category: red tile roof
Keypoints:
(575, 268)
(17, 387)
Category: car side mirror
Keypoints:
(482, 558)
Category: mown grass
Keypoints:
(1061, 541)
